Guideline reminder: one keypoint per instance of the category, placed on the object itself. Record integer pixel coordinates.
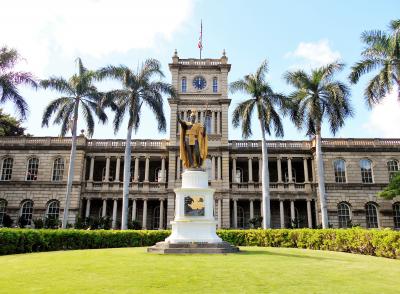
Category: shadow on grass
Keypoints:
(291, 255)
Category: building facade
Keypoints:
(33, 169)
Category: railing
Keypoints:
(251, 144)
(152, 144)
(133, 186)
(248, 186)
(202, 62)
(352, 142)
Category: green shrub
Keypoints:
(384, 243)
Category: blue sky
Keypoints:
(290, 34)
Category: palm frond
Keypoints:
(242, 115)
(53, 107)
(58, 84)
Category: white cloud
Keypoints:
(313, 54)
(385, 117)
(95, 27)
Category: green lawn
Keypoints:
(254, 270)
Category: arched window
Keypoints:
(209, 168)
(340, 170)
(6, 170)
(26, 212)
(371, 214)
(343, 215)
(240, 217)
(183, 85)
(366, 171)
(393, 168)
(396, 215)
(33, 167)
(155, 222)
(215, 85)
(58, 169)
(3, 209)
(53, 209)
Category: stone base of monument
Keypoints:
(196, 247)
(194, 225)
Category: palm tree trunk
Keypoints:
(71, 166)
(266, 205)
(127, 176)
(321, 179)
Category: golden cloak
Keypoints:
(195, 133)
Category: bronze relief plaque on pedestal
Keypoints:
(194, 206)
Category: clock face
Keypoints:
(199, 83)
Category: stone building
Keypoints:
(33, 169)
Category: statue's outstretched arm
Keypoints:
(181, 122)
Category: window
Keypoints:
(58, 169)
(215, 85)
(371, 215)
(183, 85)
(366, 171)
(393, 168)
(53, 209)
(207, 121)
(3, 207)
(26, 212)
(33, 166)
(344, 215)
(396, 215)
(6, 170)
(340, 171)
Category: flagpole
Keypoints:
(201, 37)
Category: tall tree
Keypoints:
(10, 80)
(78, 91)
(382, 53)
(317, 97)
(138, 87)
(267, 104)
(10, 126)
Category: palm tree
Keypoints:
(318, 97)
(138, 87)
(267, 103)
(382, 52)
(10, 80)
(77, 91)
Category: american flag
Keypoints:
(200, 44)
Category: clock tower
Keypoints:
(202, 86)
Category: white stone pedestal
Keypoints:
(193, 223)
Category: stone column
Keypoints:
(233, 169)
(292, 212)
(279, 169)
(219, 213)
(212, 122)
(117, 168)
(163, 169)
(250, 169)
(107, 175)
(235, 213)
(178, 168)
(282, 213)
(144, 219)
(260, 169)
(309, 217)
(316, 212)
(202, 117)
(289, 166)
(219, 168)
(218, 123)
(146, 169)
(114, 215)
(91, 168)
(251, 208)
(136, 172)
(104, 210)
(313, 171)
(213, 168)
(306, 179)
(161, 214)
(134, 210)
(87, 212)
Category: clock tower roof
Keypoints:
(196, 63)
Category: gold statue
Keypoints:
(193, 142)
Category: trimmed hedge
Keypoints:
(385, 243)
